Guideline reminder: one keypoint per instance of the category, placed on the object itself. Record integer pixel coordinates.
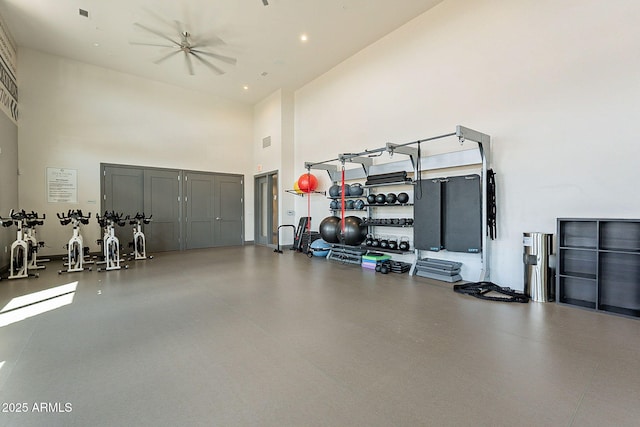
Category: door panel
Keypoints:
(162, 200)
(199, 195)
(123, 193)
(228, 210)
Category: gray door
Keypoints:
(266, 209)
(199, 205)
(123, 193)
(228, 210)
(162, 200)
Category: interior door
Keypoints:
(162, 200)
(266, 209)
(123, 193)
(199, 206)
(228, 210)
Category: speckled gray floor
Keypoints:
(246, 337)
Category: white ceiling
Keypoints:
(264, 39)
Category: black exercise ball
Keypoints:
(334, 190)
(349, 204)
(381, 199)
(371, 199)
(391, 198)
(403, 198)
(334, 204)
(354, 233)
(329, 229)
(358, 204)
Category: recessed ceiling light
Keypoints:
(96, 44)
(303, 38)
(245, 87)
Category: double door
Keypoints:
(190, 209)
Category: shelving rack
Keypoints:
(599, 264)
(479, 154)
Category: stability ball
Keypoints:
(320, 248)
(354, 233)
(308, 182)
(329, 229)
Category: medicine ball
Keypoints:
(403, 198)
(329, 229)
(354, 233)
(391, 198)
(334, 190)
(356, 190)
(349, 204)
(371, 199)
(380, 199)
(347, 190)
(334, 204)
(358, 204)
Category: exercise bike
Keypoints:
(110, 242)
(76, 251)
(18, 267)
(139, 241)
(30, 223)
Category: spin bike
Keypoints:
(31, 221)
(76, 251)
(18, 267)
(139, 241)
(110, 242)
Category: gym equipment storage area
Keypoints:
(404, 209)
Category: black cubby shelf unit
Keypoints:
(599, 264)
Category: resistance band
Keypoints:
(342, 201)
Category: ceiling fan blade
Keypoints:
(150, 44)
(207, 63)
(223, 58)
(164, 58)
(204, 42)
(189, 63)
(157, 33)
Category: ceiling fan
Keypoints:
(189, 47)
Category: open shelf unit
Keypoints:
(599, 264)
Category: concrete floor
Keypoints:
(246, 337)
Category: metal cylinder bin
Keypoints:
(538, 274)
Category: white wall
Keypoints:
(76, 116)
(555, 84)
(273, 116)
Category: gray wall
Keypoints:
(8, 183)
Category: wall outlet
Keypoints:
(291, 213)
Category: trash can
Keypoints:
(538, 274)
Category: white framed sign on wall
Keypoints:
(62, 185)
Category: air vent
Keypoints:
(266, 142)
(83, 12)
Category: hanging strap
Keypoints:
(342, 204)
(309, 204)
(480, 289)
